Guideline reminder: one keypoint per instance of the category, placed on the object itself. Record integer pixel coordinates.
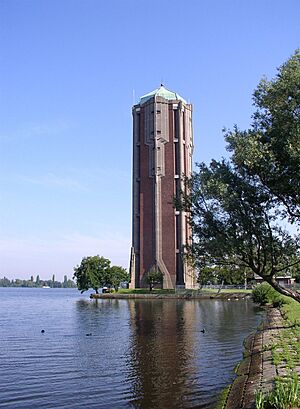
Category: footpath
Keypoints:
(257, 371)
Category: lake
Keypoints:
(117, 353)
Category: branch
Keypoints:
(287, 266)
(282, 290)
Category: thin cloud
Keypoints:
(22, 257)
(37, 130)
(53, 180)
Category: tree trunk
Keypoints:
(221, 286)
(282, 290)
(96, 290)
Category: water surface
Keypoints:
(117, 353)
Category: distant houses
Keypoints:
(284, 281)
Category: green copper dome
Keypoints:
(161, 92)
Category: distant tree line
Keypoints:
(37, 283)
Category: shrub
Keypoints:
(278, 302)
(263, 294)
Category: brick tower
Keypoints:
(162, 154)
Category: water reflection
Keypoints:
(160, 353)
(137, 354)
(174, 364)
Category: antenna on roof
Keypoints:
(133, 97)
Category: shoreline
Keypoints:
(183, 296)
(256, 372)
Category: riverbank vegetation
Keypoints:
(286, 395)
(264, 294)
(186, 292)
(286, 357)
(239, 206)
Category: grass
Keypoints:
(145, 291)
(291, 312)
(285, 353)
(260, 400)
(285, 395)
(182, 291)
(224, 290)
(223, 398)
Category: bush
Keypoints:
(278, 302)
(262, 294)
(265, 294)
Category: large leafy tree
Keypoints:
(235, 225)
(237, 206)
(117, 274)
(270, 149)
(93, 272)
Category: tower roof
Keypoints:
(161, 92)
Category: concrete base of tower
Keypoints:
(180, 287)
(190, 279)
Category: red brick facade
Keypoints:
(162, 144)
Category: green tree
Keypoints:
(117, 274)
(234, 225)
(206, 275)
(93, 272)
(154, 276)
(5, 282)
(270, 150)
(71, 284)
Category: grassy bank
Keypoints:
(291, 312)
(145, 291)
(183, 291)
(285, 352)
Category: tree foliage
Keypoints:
(227, 275)
(154, 276)
(93, 272)
(5, 282)
(96, 272)
(270, 149)
(234, 225)
(237, 206)
(117, 275)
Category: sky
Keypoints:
(70, 71)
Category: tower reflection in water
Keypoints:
(161, 360)
(152, 354)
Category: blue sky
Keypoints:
(70, 71)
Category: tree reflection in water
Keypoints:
(173, 364)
